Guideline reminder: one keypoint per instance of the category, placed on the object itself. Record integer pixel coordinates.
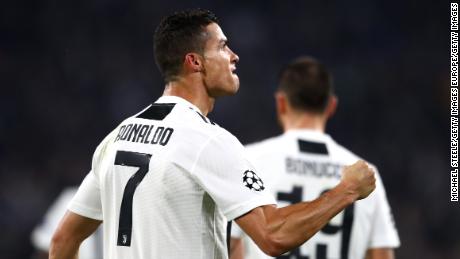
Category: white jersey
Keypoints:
(165, 182)
(299, 166)
(91, 248)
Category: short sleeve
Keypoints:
(384, 233)
(225, 173)
(87, 201)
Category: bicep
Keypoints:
(72, 230)
(380, 253)
(76, 227)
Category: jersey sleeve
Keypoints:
(87, 201)
(225, 173)
(384, 233)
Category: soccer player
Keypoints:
(166, 180)
(91, 248)
(304, 162)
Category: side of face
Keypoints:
(219, 64)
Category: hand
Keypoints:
(359, 179)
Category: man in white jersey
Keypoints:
(166, 180)
(304, 162)
(91, 248)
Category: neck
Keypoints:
(316, 122)
(192, 90)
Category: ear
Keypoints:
(282, 109)
(281, 103)
(193, 62)
(331, 106)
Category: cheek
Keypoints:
(213, 77)
(216, 71)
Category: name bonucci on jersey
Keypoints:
(312, 168)
(300, 165)
(161, 183)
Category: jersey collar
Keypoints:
(308, 134)
(176, 99)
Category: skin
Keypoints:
(205, 77)
(236, 248)
(380, 253)
(208, 76)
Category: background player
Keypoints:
(91, 248)
(304, 162)
(166, 179)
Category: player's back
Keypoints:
(299, 166)
(153, 206)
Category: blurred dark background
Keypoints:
(70, 71)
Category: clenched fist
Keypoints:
(359, 179)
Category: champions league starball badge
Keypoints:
(252, 181)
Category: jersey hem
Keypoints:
(385, 244)
(85, 211)
(239, 210)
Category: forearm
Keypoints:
(291, 226)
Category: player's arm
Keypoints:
(72, 230)
(236, 248)
(380, 253)
(278, 230)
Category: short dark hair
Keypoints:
(177, 35)
(307, 84)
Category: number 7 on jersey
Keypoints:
(131, 159)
